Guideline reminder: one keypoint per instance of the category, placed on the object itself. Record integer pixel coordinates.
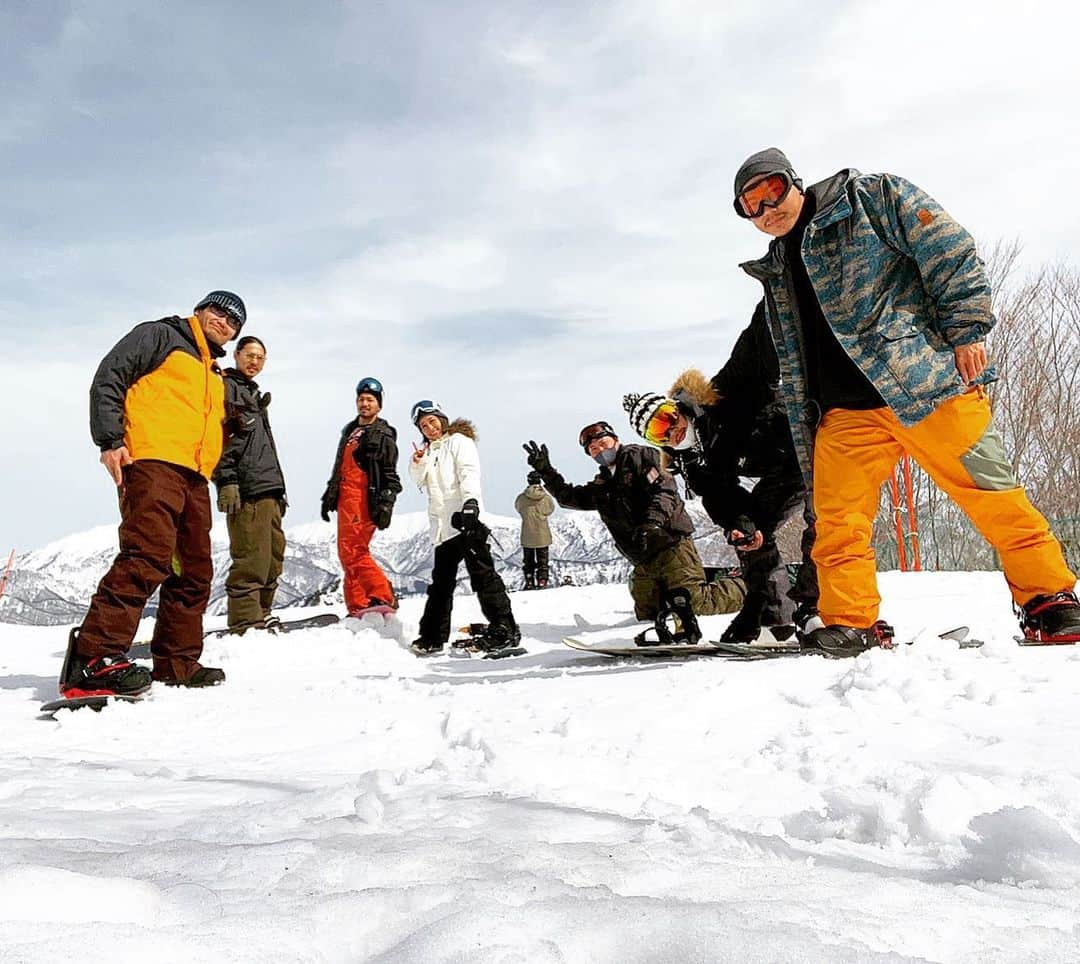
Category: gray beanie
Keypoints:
(772, 160)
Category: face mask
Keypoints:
(689, 439)
(606, 456)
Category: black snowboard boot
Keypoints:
(1052, 618)
(530, 583)
(843, 641)
(427, 647)
(203, 676)
(676, 618)
(745, 626)
(103, 676)
(498, 640)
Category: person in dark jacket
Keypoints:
(639, 503)
(362, 489)
(157, 404)
(534, 506)
(715, 432)
(251, 493)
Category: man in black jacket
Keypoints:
(251, 493)
(362, 489)
(641, 507)
(715, 432)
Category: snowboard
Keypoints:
(142, 650)
(742, 651)
(1025, 641)
(96, 703)
(308, 622)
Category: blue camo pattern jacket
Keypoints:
(899, 282)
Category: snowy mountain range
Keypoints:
(53, 585)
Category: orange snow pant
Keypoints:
(364, 579)
(958, 446)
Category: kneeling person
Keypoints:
(641, 507)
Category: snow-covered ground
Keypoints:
(341, 800)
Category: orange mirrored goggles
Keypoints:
(769, 192)
(661, 423)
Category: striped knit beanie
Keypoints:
(641, 408)
(227, 302)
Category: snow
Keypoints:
(339, 799)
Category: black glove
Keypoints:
(744, 525)
(381, 514)
(649, 539)
(537, 456)
(468, 519)
(327, 506)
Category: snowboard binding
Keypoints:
(675, 623)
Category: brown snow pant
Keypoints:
(679, 567)
(164, 541)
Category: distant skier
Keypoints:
(157, 404)
(362, 489)
(447, 468)
(878, 306)
(715, 431)
(639, 503)
(534, 506)
(251, 493)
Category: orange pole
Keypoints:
(913, 519)
(901, 552)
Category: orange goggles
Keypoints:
(661, 423)
(769, 192)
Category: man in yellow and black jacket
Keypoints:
(157, 410)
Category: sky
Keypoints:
(519, 209)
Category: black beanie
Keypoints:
(772, 160)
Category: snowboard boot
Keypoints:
(530, 583)
(1052, 618)
(676, 618)
(202, 677)
(541, 583)
(746, 625)
(427, 647)
(807, 620)
(844, 641)
(102, 676)
(500, 639)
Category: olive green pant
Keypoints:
(257, 547)
(680, 568)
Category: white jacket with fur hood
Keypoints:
(450, 473)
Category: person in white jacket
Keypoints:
(447, 467)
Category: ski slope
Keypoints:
(341, 800)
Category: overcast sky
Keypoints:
(521, 209)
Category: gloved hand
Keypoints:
(468, 519)
(228, 499)
(381, 514)
(327, 506)
(743, 533)
(537, 456)
(649, 539)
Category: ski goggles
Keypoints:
(661, 423)
(590, 433)
(425, 407)
(769, 192)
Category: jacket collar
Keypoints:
(238, 376)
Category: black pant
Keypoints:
(776, 497)
(486, 583)
(536, 563)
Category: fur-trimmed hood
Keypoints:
(692, 386)
(462, 426)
